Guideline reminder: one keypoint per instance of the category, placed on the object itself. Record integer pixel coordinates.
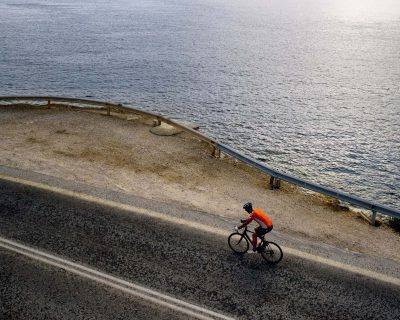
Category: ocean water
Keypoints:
(309, 87)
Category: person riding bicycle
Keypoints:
(258, 215)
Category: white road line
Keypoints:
(114, 282)
(201, 227)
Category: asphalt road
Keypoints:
(180, 261)
(32, 290)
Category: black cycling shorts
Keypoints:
(261, 231)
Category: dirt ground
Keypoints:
(121, 154)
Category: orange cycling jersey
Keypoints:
(261, 218)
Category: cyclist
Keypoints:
(264, 221)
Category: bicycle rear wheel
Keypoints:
(238, 243)
(272, 253)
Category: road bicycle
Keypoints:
(239, 242)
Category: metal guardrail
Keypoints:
(356, 201)
(342, 196)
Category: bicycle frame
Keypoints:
(245, 235)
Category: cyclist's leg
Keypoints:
(261, 232)
(255, 235)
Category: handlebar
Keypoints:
(245, 228)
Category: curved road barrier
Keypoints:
(217, 148)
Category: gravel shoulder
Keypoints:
(119, 153)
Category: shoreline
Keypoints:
(78, 144)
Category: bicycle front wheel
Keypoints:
(238, 243)
(272, 253)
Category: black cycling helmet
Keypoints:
(248, 207)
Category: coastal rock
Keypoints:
(165, 130)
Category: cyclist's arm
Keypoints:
(250, 219)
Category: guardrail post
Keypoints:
(48, 104)
(373, 218)
(216, 153)
(108, 110)
(271, 182)
(274, 183)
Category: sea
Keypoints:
(310, 87)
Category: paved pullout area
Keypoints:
(119, 153)
(181, 261)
